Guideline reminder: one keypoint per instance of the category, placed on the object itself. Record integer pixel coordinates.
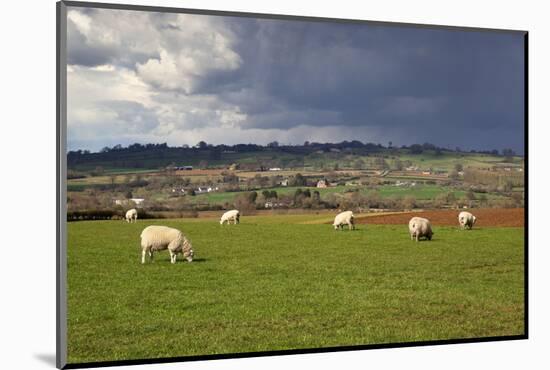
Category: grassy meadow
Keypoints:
(419, 192)
(287, 282)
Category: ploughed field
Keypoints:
(284, 282)
(486, 217)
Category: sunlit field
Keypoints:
(287, 282)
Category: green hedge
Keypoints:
(104, 214)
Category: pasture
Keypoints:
(283, 282)
(420, 192)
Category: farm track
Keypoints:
(500, 217)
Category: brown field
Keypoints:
(501, 217)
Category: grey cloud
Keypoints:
(78, 52)
(85, 51)
(135, 116)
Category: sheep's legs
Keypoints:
(173, 257)
(144, 252)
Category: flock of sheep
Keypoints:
(418, 226)
(157, 238)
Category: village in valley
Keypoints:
(162, 181)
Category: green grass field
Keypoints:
(419, 192)
(275, 283)
(448, 161)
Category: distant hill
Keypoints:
(346, 154)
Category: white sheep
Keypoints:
(157, 238)
(344, 218)
(229, 216)
(420, 227)
(131, 215)
(466, 220)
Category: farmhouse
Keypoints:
(121, 202)
(273, 204)
(322, 184)
(181, 168)
(202, 190)
(138, 201)
(404, 183)
(124, 202)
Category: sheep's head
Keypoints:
(473, 220)
(187, 250)
(188, 254)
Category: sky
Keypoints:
(146, 77)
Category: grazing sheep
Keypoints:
(157, 238)
(229, 216)
(466, 220)
(344, 218)
(419, 227)
(131, 215)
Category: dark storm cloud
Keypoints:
(394, 76)
(408, 79)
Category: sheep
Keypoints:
(419, 227)
(131, 215)
(466, 220)
(344, 218)
(157, 238)
(229, 216)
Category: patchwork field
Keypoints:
(287, 282)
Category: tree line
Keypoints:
(133, 155)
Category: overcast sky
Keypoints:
(176, 78)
